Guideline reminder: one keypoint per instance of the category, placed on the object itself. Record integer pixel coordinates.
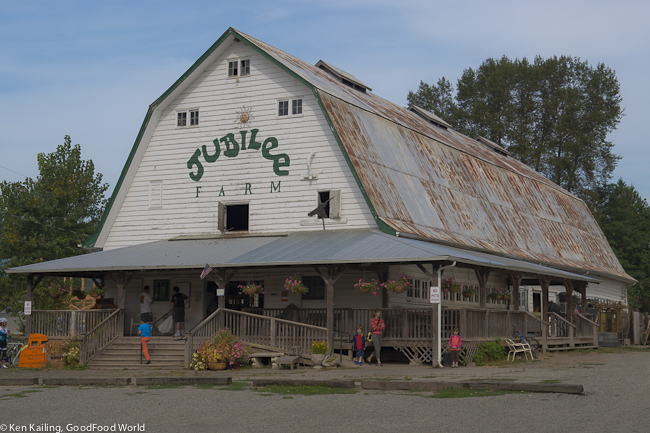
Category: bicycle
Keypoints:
(13, 353)
(531, 341)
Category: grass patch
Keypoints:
(20, 394)
(305, 390)
(163, 386)
(237, 385)
(550, 381)
(464, 393)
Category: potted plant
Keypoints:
(251, 289)
(71, 352)
(96, 292)
(295, 285)
(57, 289)
(367, 286)
(54, 349)
(399, 286)
(318, 352)
(468, 292)
(223, 351)
(450, 285)
(494, 296)
(79, 294)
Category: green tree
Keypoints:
(553, 114)
(624, 218)
(48, 218)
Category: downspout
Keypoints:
(439, 336)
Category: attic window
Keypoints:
(332, 200)
(429, 117)
(290, 107)
(239, 68)
(181, 118)
(343, 77)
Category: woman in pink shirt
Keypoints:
(377, 325)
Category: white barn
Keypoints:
(232, 158)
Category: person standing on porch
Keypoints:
(359, 342)
(377, 325)
(454, 348)
(144, 331)
(178, 311)
(145, 305)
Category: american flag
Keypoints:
(206, 271)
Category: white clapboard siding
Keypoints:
(220, 100)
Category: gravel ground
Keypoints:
(614, 400)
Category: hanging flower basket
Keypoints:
(295, 285)
(96, 292)
(252, 289)
(79, 294)
(367, 286)
(468, 292)
(450, 285)
(399, 286)
(55, 295)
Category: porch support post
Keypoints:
(544, 282)
(29, 297)
(515, 282)
(568, 284)
(221, 279)
(330, 276)
(122, 279)
(382, 275)
(482, 276)
(581, 286)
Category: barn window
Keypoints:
(332, 201)
(294, 103)
(233, 68)
(194, 117)
(283, 108)
(296, 106)
(245, 67)
(182, 118)
(316, 288)
(239, 68)
(233, 217)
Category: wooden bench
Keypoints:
(288, 359)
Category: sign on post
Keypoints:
(435, 295)
(28, 308)
(221, 292)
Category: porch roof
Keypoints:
(293, 249)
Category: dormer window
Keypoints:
(343, 77)
(239, 68)
(429, 116)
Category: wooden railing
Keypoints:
(256, 329)
(101, 336)
(66, 323)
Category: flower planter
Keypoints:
(217, 365)
(454, 288)
(55, 295)
(317, 359)
(57, 364)
(467, 294)
(250, 290)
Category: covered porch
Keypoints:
(338, 259)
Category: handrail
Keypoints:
(587, 320)
(97, 343)
(539, 319)
(257, 316)
(563, 319)
(102, 323)
(201, 323)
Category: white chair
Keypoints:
(516, 348)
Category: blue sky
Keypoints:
(91, 69)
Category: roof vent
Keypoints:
(342, 76)
(492, 145)
(429, 116)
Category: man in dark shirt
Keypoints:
(178, 311)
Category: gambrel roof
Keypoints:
(425, 180)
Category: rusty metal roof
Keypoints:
(437, 183)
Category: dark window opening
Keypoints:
(324, 197)
(316, 288)
(283, 108)
(237, 217)
(235, 299)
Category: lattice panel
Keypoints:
(421, 354)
